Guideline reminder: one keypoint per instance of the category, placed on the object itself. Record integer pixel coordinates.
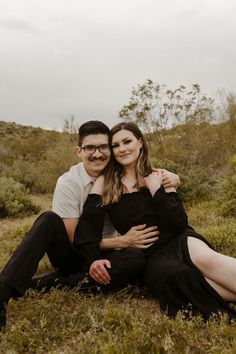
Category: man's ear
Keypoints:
(78, 151)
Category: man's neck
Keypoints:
(93, 174)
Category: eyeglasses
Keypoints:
(91, 149)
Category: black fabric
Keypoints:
(164, 210)
(54, 279)
(2, 315)
(88, 232)
(6, 292)
(169, 272)
(172, 277)
(126, 265)
(47, 235)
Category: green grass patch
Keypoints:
(67, 321)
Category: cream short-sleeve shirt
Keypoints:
(71, 191)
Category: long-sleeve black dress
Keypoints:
(169, 273)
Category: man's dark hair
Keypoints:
(92, 127)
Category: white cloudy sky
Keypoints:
(82, 57)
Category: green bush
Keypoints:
(227, 198)
(222, 237)
(41, 176)
(23, 171)
(54, 163)
(196, 183)
(14, 201)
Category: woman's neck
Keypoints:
(129, 172)
(129, 179)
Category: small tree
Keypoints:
(70, 126)
(155, 108)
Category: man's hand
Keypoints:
(169, 179)
(98, 271)
(140, 236)
(98, 185)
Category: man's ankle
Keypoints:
(6, 292)
(3, 319)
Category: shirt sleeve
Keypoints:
(67, 199)
(88, 232)
(170, 211)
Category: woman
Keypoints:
(182, 270)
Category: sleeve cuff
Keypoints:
(159, 196)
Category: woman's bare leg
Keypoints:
(226, 294)
(214, 266)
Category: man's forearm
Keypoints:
(138, 236)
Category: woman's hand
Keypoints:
(154, 181)
(98, 271)
(98, 185)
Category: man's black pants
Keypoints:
(48, 235)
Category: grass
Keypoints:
(66, 321)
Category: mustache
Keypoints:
(97, 159)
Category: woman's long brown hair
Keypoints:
(113, 187)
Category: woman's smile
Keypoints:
(126, 147)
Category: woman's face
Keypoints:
(126, 147)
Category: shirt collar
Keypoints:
(85, 177)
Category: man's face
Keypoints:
(94, 159)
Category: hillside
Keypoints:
(35, 157)
(201, 154)
(68, 321)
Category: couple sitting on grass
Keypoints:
(116, 188)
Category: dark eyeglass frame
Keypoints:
(91, 149)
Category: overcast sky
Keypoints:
(82, 57)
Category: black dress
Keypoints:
(169, 274)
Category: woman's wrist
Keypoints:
(154, 189)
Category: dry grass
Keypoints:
(70, 322)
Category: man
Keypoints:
(53, 232)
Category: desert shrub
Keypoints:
(222, 237)
(14, 201)
(227, 191)
(41, 176)
(54, 163)
(23, 171)
(228, 207)
(196, 183)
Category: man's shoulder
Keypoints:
(73, 176)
